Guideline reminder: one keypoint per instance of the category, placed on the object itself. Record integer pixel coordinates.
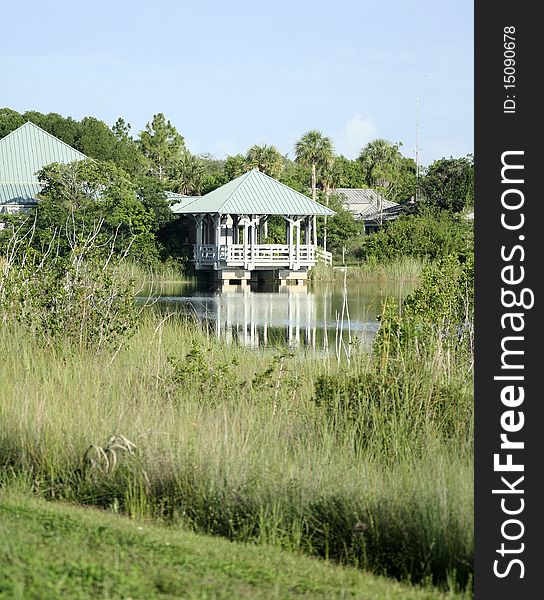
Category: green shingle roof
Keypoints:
(23, 152)
(252, 193)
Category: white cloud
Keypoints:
(224, 146)
(355, 133)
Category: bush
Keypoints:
(441, 310)
(427, 236)
(79, 296)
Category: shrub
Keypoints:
(440, 310)
(79, 296)
(425, 236)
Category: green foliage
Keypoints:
(266, 159)
(90, 194)
(428, 235)
(126, 153)
(96, 139)
(276, 230)
(9, 121)
(214, 173)
(314, 150)
(79, 297)
(342, 228)
(163, 146)
(206, 417)
(379, 158)
(234, 166)
(188, 175)
(449, 184)
(441, 309)
(353, 174)
(65, 128)
(82, 553)
(296, 176)
(387, 170)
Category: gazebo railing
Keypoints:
(258, 254)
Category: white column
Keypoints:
(297, 225)
(217, 223)
(199, 219)
(314, 224)
(290, 242)
(234, 229)
(253, 237)
(246, 240)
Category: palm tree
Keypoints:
(314, 150)
(265, 159)
(189, 175)
(379, 159)
(331, 176)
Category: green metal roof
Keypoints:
(23, 152)
(253, 193)
(176, 199)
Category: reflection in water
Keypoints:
(292, 316)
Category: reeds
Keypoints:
(358, 463)
(403, 269)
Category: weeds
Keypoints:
(368, 467)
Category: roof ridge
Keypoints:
(242, 178)
(46, 133)
(286, 186)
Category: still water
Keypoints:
(315, 316)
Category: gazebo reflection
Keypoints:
(287, 317)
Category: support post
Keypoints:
(217, 223)
(199, 220)
(246, 232)
(290, 241)
(235, 236)
(297, 225)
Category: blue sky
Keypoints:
(229, 74)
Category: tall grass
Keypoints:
(402, 269)
(370, 466)
(170, 271)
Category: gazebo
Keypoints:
(231, 227)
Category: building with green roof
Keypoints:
(230, 227)
(23, 153)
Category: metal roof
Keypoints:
(253, 193)
(23, 153)
(179, 200)
(387, 214)
(364, 203)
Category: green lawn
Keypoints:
(53, 550)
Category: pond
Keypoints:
(318, 316)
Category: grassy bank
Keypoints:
(404, 269)
(50, 550)
(376, 472)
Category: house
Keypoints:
(229, 227)
(23, 153)
(369, 206)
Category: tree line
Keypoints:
(135, 171)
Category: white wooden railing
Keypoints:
(324, 255)
(258, 254)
